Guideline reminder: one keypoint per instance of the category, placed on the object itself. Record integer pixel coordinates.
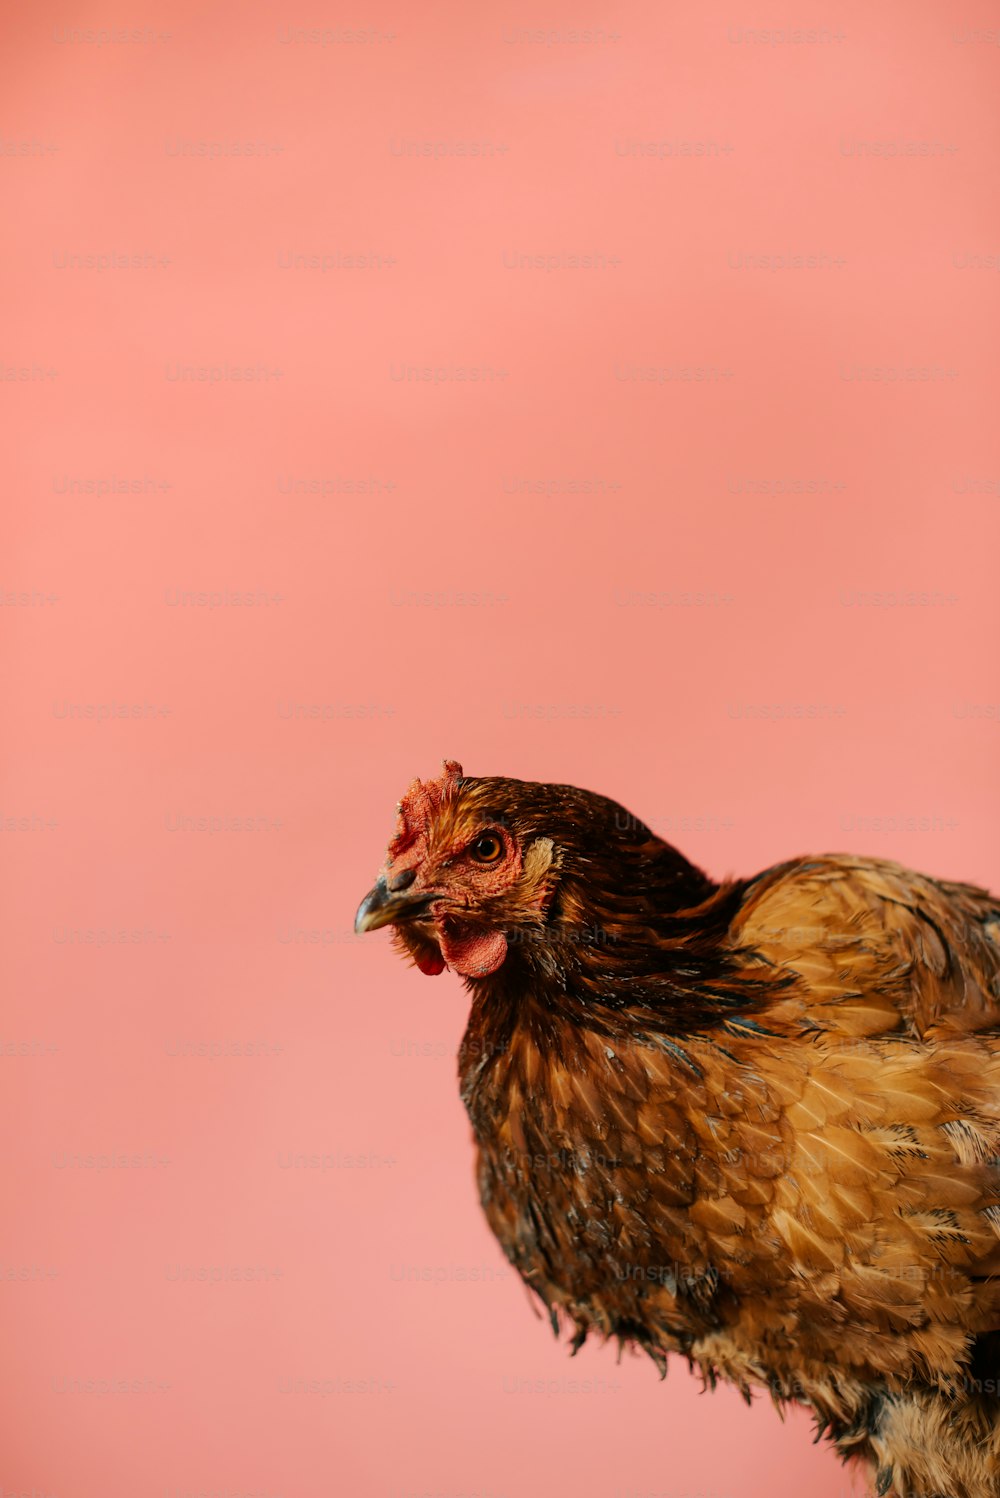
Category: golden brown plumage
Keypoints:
(756, 1124)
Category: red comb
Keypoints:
(418, 806)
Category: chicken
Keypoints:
(755, 1123)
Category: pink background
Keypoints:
(768, 624)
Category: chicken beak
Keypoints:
(380, 908)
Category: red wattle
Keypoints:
(430, 963)
(475, 953)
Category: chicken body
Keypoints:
(755, 1124)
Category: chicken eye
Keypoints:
(487, 848)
